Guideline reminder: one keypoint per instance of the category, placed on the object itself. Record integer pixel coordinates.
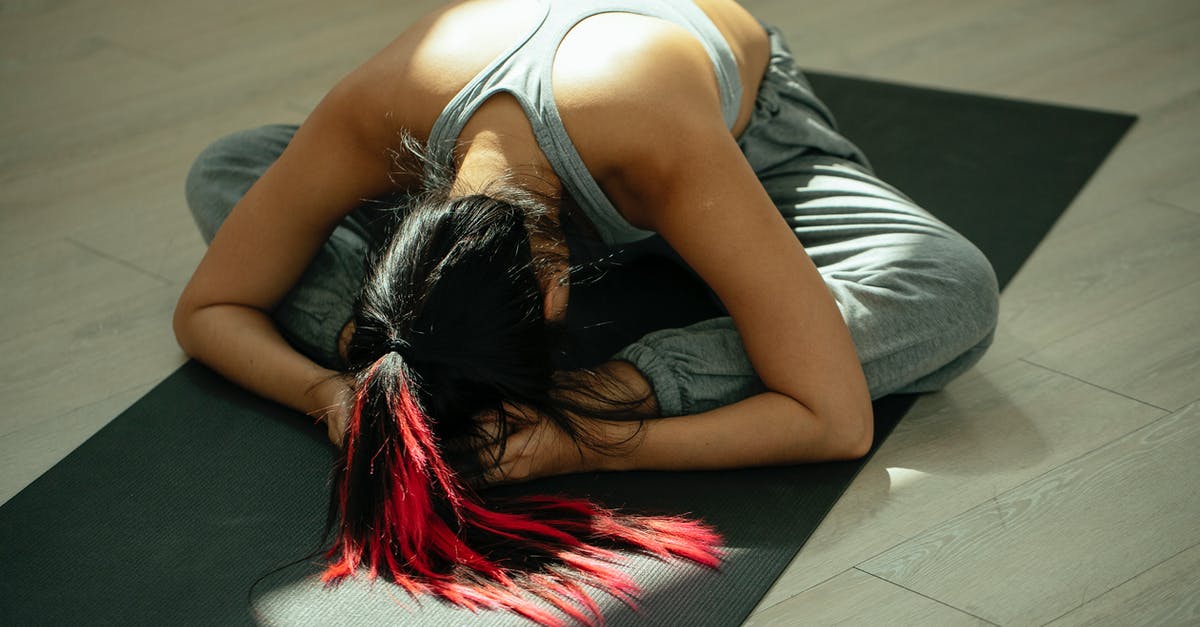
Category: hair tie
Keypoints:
(397, 346)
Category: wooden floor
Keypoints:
(1058, 482)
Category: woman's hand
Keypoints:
(334, 411)
(536, 447)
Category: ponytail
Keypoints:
(449, 324)
(405, 515)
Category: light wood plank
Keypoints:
(1084, 276)
(1114, 55)
(1119, 18)
(856, 598)
(229, 32)
(34, 31)
(1186, 194)
(54, 369)
(59, 283)
(141, 217)
(1005, 349)
(1034, 552)
(1167, 594)
(1151, 353)
(1127, 56)
(956, 449)
(74, 108)
(27, 453)
(1003, 47)
(899, 32)
(1148, 56)
(133, 207)
(1161, 151)
(77, 108)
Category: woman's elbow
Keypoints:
(850, 435)
(180, 323)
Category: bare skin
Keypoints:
(639, 98)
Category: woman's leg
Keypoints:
(919, 299)
(314, 312)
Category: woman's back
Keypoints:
(418, 74)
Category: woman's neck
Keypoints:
(486, 166)
(487, 161)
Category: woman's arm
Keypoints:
(335, 160)
(761, 430)
(710, 207)
(768, 429)
(662, 153)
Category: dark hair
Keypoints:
(450, 325)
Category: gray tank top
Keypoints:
(524, 71)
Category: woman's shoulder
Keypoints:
(411, 79)
(614, 61)
(623, 81)
(621, 113)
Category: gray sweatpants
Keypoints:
(919, 299)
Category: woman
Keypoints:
(671, 118)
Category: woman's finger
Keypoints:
(471, 442)
(517, 463)
(476, 457)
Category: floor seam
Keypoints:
(1118, 585)
(1091, 384)
(792, 596)
(1166, 203)
(926, 596)
(1010, 489)
(99, 253)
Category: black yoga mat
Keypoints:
(179, 510)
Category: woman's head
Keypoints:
(460, 294)
(452, 323)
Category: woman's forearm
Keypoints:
(762, 430)
(243, 345)
(767, 429)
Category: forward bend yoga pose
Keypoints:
(421, 325)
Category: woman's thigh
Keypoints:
(920, 299)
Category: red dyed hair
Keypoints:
(405, 515)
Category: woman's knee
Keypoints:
(225, 170)
(972, 294)
(926, 316)
(962, 309)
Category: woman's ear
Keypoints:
(556, 295)
(344, 340)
